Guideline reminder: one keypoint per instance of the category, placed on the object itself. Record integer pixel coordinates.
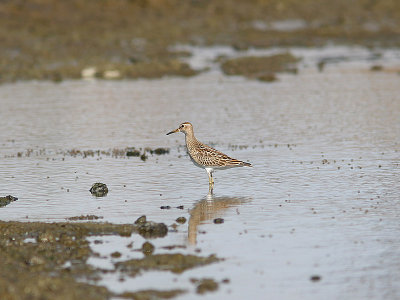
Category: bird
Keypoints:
(206, 157)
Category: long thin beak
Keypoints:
(173, 131)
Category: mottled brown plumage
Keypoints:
(205, 156)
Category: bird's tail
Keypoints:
(245, 164)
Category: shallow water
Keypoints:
(322, 197)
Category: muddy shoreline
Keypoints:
(50, 260)
(52, 40)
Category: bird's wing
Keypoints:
(212, 157)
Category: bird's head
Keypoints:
(185, 127)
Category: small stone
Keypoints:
(226, 280)
(99, 189)
(112, 74)
(116, 254)
(315, 278)
(36, 260)
(46, 237)
(153, 229)
(147, 248)
(141, 220)
(89, 72)
(7, 200)
(218, 221)
(181, 220)
(206, 285)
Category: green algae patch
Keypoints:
(260, 67)
(152, 294)
(175, 263)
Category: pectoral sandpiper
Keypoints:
(206, 157)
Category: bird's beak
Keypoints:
(173, 131)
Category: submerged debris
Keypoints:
(151, 294)
(159, 151)
(206, 285)
(115, 152)
(132, 152)
(7, 200)
(176, 263)
(149, 229)
(82, 217)
(147, 248)
(99, 189)
(376, 68)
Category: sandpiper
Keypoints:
(206, 157)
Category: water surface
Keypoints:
(322, 198)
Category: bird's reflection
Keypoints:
(209, 208)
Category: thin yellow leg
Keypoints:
(210, 179)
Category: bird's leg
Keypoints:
(210, 180)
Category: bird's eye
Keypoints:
(181, 126)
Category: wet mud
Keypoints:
(175, 263)
(152, 294)
(132, 39)
(205, 285)
(49, 261)
(262, 68)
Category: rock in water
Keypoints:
(7, 200)
(99, 189)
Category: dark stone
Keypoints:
(132, 152)
(315, 278)
(147, 248)
(206, 285)
(152, 229)
(218, 221)
(181, 220)
(7, 200)
(141, 220)
(160, 151)
(99, 189)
